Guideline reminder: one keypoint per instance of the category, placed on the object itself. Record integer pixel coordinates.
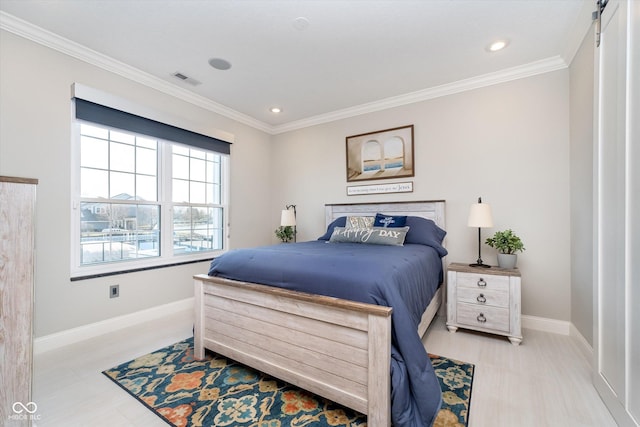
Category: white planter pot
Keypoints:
(507, 260)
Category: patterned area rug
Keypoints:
(219, 392)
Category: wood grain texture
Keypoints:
(336, 348)
(17, 210)
(486, 300)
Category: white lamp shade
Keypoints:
(288, 218)
(480, 216)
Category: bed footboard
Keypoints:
(338, 349)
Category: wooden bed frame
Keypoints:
(335, 348)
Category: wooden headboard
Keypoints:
(430, 209)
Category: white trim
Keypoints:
(544, 324)
(585, 348)
(46, 38)
(509, 74)
(92, 330)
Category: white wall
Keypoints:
(508, 143)
(35, 135)
(582, 104)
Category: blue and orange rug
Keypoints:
(217, 391)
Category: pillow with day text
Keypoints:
(373, 236)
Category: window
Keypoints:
(143, 201)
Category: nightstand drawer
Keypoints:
(483, 317)
(484, 297)
(483, 281)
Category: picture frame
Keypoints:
(383, 154)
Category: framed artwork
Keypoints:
(383, 154)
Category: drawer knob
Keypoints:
(481, 318)
(481, 299)
(482, 283)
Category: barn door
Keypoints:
(617, 213)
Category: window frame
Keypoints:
(166, 258)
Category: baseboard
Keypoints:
(92, 330)
(544, 324)
(583, 344)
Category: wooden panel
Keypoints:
(497, 319)
(294, 345)
(483, 281)
(490, 297)
(323, 307)
(282, 326)
(338, 333)
(17, 210)
(326, 384)
(379, 404)
(430, 209)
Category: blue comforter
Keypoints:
(402, 277)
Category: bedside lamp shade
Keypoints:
(288, 218)
(480, 216)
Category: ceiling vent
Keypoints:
(186, 79)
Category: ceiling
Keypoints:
(315, 59)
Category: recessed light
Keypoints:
(275, 110)
(497, 45)
(220, 64)
(301, 23)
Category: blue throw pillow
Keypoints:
(339, 222)
(423, 231)
(389, 221)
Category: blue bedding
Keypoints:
(403, 277)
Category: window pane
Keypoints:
(146, 161)
(197, 154)
(96, 131)
(147, 143)
(196, 229)
(126, 138)
(113, 232)
(198, 192)
(146, 188)
(180, 167)
(180, 149)
(122, 186)
(180, 191)
(198, 170)
(94, 183)
(94, 153)
(122, 157)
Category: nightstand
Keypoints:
(484, 299)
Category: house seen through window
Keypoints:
(145, 201)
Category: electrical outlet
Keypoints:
(114, 291)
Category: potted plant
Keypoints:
(285, 233)
(507, 243)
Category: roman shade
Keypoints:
(100, 114)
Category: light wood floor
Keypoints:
(543, 382)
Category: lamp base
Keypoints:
(480, 265)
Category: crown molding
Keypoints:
(509, 74)
(46, 38)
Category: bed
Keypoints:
(345, 349)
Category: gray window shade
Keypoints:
(96, 113)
